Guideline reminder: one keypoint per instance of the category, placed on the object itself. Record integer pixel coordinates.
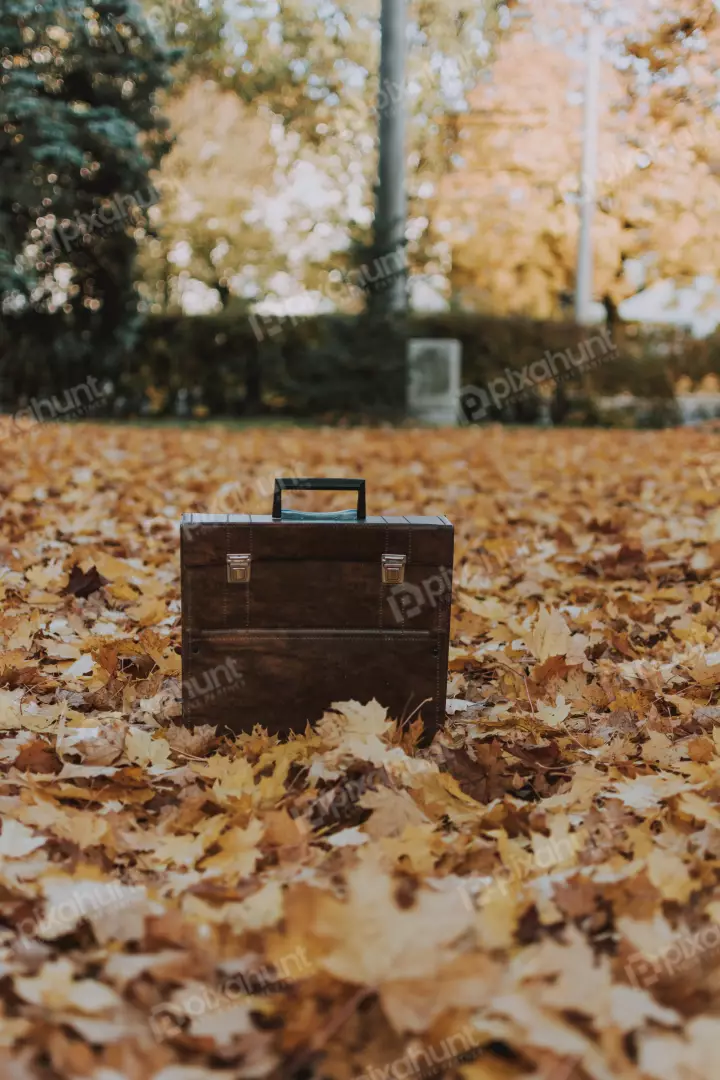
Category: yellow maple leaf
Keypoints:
(142, 749)
(669, 875)
(10, 715)
(372, 939)
(239, 852)
(554, 715)
(550, 635)
(392, 812)
(233, 777)
(148, 612)
(356, 719)
(17, 840)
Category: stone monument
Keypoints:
(434, 368)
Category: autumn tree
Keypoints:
(195, 32)
(309, 76)
(671, 200)
(509, 214)
(204, 227)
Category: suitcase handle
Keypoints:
(295, 484)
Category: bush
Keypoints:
(332, 367)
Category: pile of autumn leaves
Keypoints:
(536, 895)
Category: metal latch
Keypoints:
(238, 568)
(393, 569)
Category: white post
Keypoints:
(391, 199)
(588, 183)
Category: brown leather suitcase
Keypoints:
(284, 615)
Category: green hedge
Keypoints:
(332, 366)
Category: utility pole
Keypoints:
(588, 182)
(390, 269)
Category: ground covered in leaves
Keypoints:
(537, 895)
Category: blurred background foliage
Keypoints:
(79, 125)
(255, 125)
(658, 184)
(331, 367)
